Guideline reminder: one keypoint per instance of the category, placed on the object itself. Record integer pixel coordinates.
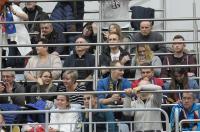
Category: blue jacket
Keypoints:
(103, 85)
(101, 117)
(62, 12)
(190, 115)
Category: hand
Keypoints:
(128, 91)
(9, 87)
(95, 28)
(136, 90)
(106, 34)
(2, 87)
(125, 59)
(52, 129)
(55, 53)
(190, 74)
(115, 97)
(39, 81)
(141, 59)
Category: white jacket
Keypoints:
(154, 101)
(70, 119)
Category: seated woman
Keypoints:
(145, 55)
(43, 60)
(70, 84)
(44, 84)
(179, 81)
(69, 119)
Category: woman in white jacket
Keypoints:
(69, 120)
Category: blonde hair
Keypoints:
(148, 52)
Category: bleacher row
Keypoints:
(63, 68)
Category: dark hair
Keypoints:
(43, 40)
(88, 25)
(178, 37)
(182, 71)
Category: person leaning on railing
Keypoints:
(144, 100)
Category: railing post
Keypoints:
(176, 120)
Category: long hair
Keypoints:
(118, 30)
(181, 71)
(148, 53)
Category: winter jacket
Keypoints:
(193, 113)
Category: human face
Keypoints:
(41, 49)
(68, 81)
(30, 6)
(87, 98)
(61, 102)
(141, 51)
(46, 28)
(112, 29)
(1, 119)
(46, 78)
(147, 73)
(178, 47)
(82, 48)
(117, 73)
(145, 28)
(87, 31)
(179, 77)
(113, 38)
(187, 100)
(7, 77)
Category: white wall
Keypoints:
(174, 9)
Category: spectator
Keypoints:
(145, 54)
(115, 10)
(114, 52)
(35, 13)
(17, 34)
(2, 124)
(70, 84)
(47, 32)
(114, 82)
(147, 35)
(10, 86)
(148, 73)
(179, 81)
(145, 100)
(44, 85)
(187, 109)
(43, 60)
(178, 58)
(81, 58)
(70, 119)
(103, 117)
(72, 10)
(90, 34)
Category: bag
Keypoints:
(10, 27)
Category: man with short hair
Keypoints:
(81, 58)
(10, 86)
(147, 35)
(47, 31)
(187, 109)
(103, 117)
(148, 73)
(114, 82)
(178, 58)
(35, 13)
(114, 52)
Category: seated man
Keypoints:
(81, 58)
(10, 86)
(178, 58)
(103, 117)
(147, 35)
(114, 52)
(187, 109)
(114, 82)
(47, 32)
(148, 73)
(144, 100)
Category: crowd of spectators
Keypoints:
(82, 54)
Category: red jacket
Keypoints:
(156, 81)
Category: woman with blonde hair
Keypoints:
(145, 55)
